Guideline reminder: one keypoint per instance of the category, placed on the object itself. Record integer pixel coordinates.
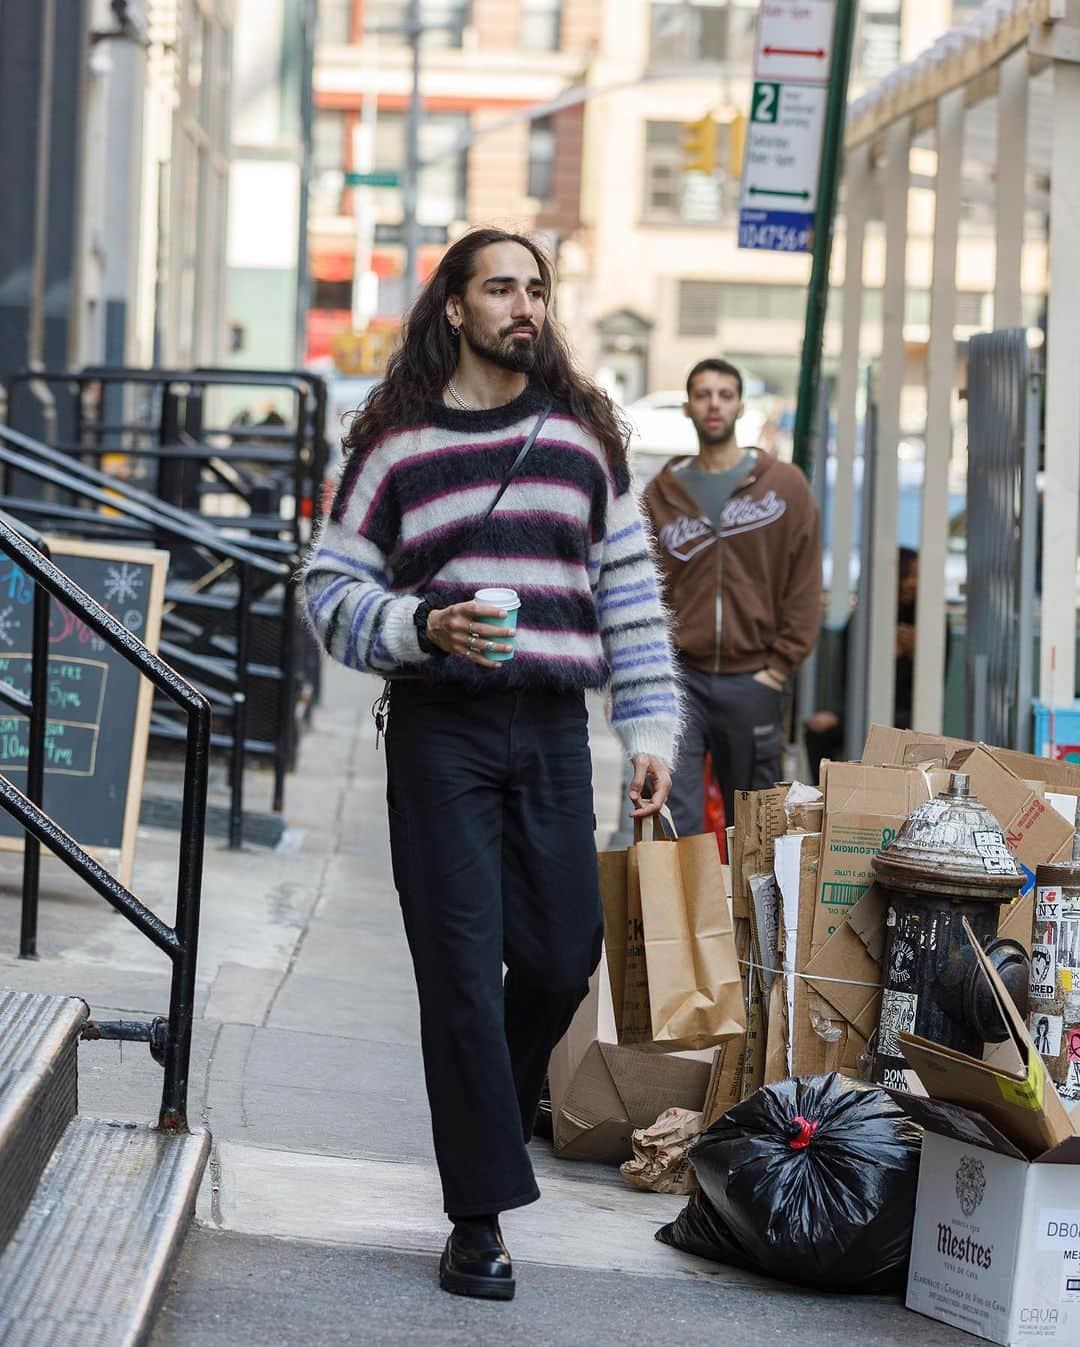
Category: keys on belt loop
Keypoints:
(380, 713)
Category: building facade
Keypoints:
(154, 152)
(484, 65)
(652, 278)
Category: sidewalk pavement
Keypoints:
(320, 1221)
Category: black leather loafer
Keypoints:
(475, 1262)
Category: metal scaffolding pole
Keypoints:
(929, 693)
(412, 159)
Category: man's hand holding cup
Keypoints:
(482, 630)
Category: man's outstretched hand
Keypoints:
(658, 775)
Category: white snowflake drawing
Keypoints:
(122, 583)
(8, 626)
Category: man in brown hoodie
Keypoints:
(739, 541)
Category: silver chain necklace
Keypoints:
(465, 407)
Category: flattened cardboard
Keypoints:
(847, 958)
(616, 1090)
(865, 807)
(1021, 1103)
(1034, 829)
(886, 745)
(842, 1046)
(759, 821)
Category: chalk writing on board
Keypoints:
(76, 702)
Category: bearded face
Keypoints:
(512, 345)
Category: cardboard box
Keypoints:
(617, 1090)
(865, 807)
(996, 1242)
(885, 745)
(1033, 828)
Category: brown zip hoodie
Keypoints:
(748, 597)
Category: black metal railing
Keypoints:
(224, 669)
(175, 432)
(178, 942)
(158, 425)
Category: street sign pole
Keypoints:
(827, 193)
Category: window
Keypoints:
(699, 308)
(673, 195)
(702, 30)
(681, 33)
(702, 304)
(332, 295)
(328, 155)
(541, 25)
(541, 182)
(442, 189)
(971, 308)
(917, 308)
(1034, 310)
(877, 42)
(878, 50)
(448, 19)
(334, 23)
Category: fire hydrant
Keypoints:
(950, 860)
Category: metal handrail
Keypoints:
(179, 942)
(39, 460)
(142, 505)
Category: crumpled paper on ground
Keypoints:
(661, 1162)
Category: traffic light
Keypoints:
(699, 145)
(736, 144)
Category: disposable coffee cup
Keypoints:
(506, 599)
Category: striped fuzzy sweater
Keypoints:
(567, 535)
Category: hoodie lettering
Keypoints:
(741, 514)
(684, 537)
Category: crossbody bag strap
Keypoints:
(515, 468)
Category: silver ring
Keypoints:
(472, 641)
(487, 645)
(472, 634)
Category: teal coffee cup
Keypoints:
(508, 600)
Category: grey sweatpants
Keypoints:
(737, 720)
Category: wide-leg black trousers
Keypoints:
(491, 832)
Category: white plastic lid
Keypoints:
(498, 598)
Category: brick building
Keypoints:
(486, 62)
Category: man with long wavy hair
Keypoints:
(488, 771)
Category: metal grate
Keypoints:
(1002, 459)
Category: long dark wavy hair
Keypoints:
(419, 369)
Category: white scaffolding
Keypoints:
(1003, 88)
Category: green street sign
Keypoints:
(381, 179)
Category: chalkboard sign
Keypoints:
(99, 704)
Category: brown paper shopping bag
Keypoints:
(671, 950)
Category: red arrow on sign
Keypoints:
(819, 54)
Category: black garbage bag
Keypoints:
(810, 1180)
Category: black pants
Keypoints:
(737, 720)
(491, 834)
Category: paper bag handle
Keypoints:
(649, 821)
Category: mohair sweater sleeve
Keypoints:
(646, 702)
(346, 577)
